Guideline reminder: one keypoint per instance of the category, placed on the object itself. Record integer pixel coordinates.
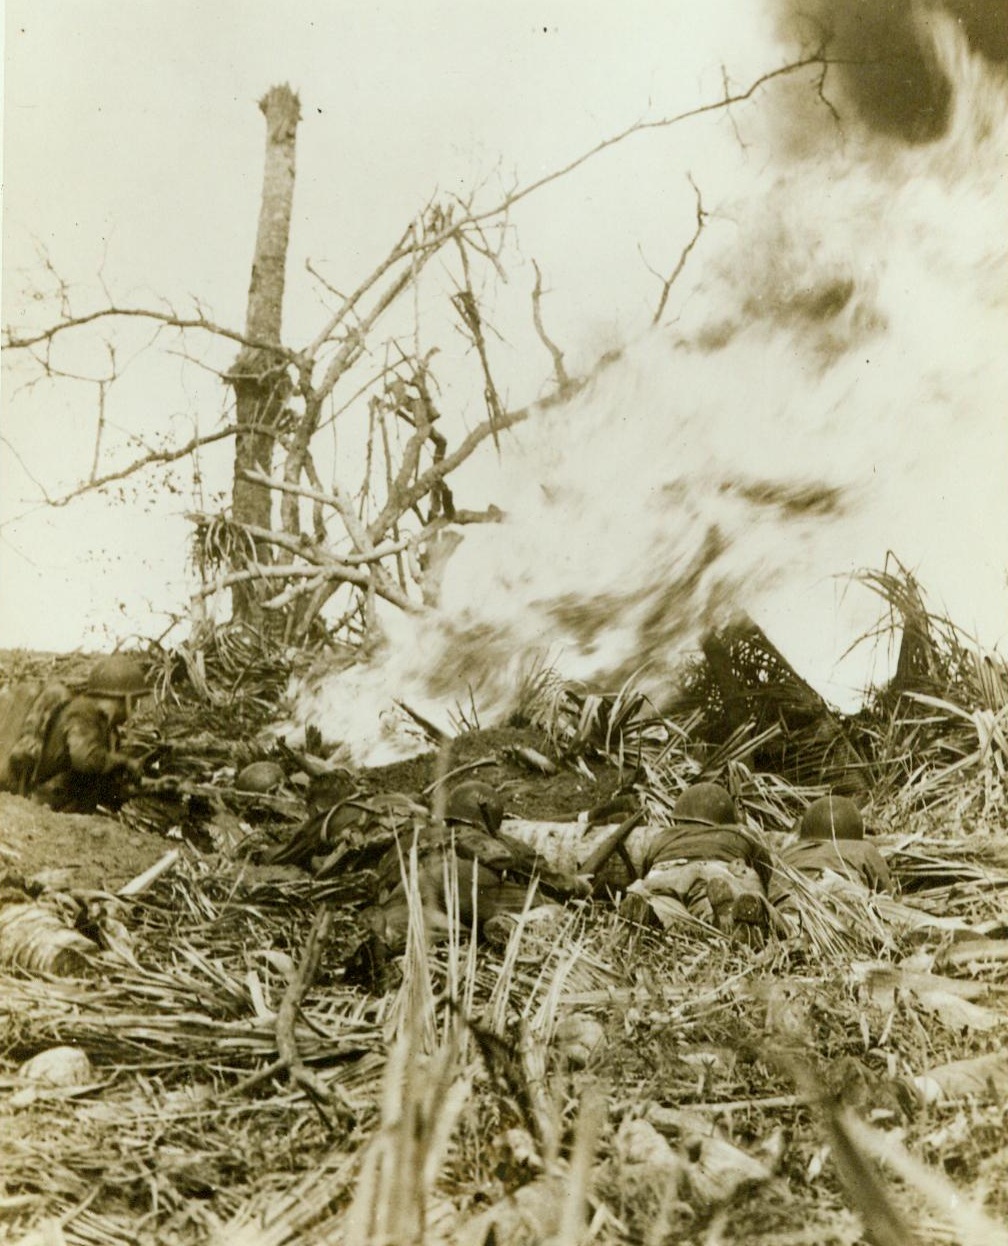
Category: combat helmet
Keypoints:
(261, 777)
(475, 804)
(119, 675)
(832, 817)
(707, 804)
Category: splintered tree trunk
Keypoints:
(259, 375)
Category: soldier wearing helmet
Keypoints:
(706, 866)
(80, 767)
(831, 840)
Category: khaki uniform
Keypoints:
(81, 767)
(848, 862)
(715, 874)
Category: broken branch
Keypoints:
(668, 282)
(559, 371)
(323, 1096)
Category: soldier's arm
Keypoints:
(870, 864)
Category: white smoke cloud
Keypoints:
(832, 387)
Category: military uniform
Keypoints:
(847, 867)
(716, 874)
(81, 767)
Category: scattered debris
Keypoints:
(35, 938)
(335, 1003)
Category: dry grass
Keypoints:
(468, 1113)
(939, 732)
(575, 1078)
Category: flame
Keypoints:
(831, 388)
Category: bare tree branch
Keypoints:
(47, 500)
(344, 359)
(351, 347)
(155, 456)
(299, 547)
(423, 484)
(641, 127)
(318, 515)
(337, 499)
(559, 371)
(170, 320)
(358, 576)
(321, 557)
(350, 302)
(445, 229)
(467, 306)
(314, 272)
(355, 530)
(669, 281)
(296, 590)
(420, 416)
(430, 242)
(267, 367)
(100, 428)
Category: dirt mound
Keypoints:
(504, 757)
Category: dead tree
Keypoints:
(259, 376)
(370, 540)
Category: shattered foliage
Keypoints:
(201, 1070)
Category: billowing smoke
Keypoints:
(886, 62)
(832, 387)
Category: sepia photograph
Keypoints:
(504, 623)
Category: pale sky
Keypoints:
(133, 152)
(133, 148)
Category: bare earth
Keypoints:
(72, 851)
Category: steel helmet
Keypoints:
(118, 675)
(260, 776)
(707, 804)
(476, 804)
(832, 817)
